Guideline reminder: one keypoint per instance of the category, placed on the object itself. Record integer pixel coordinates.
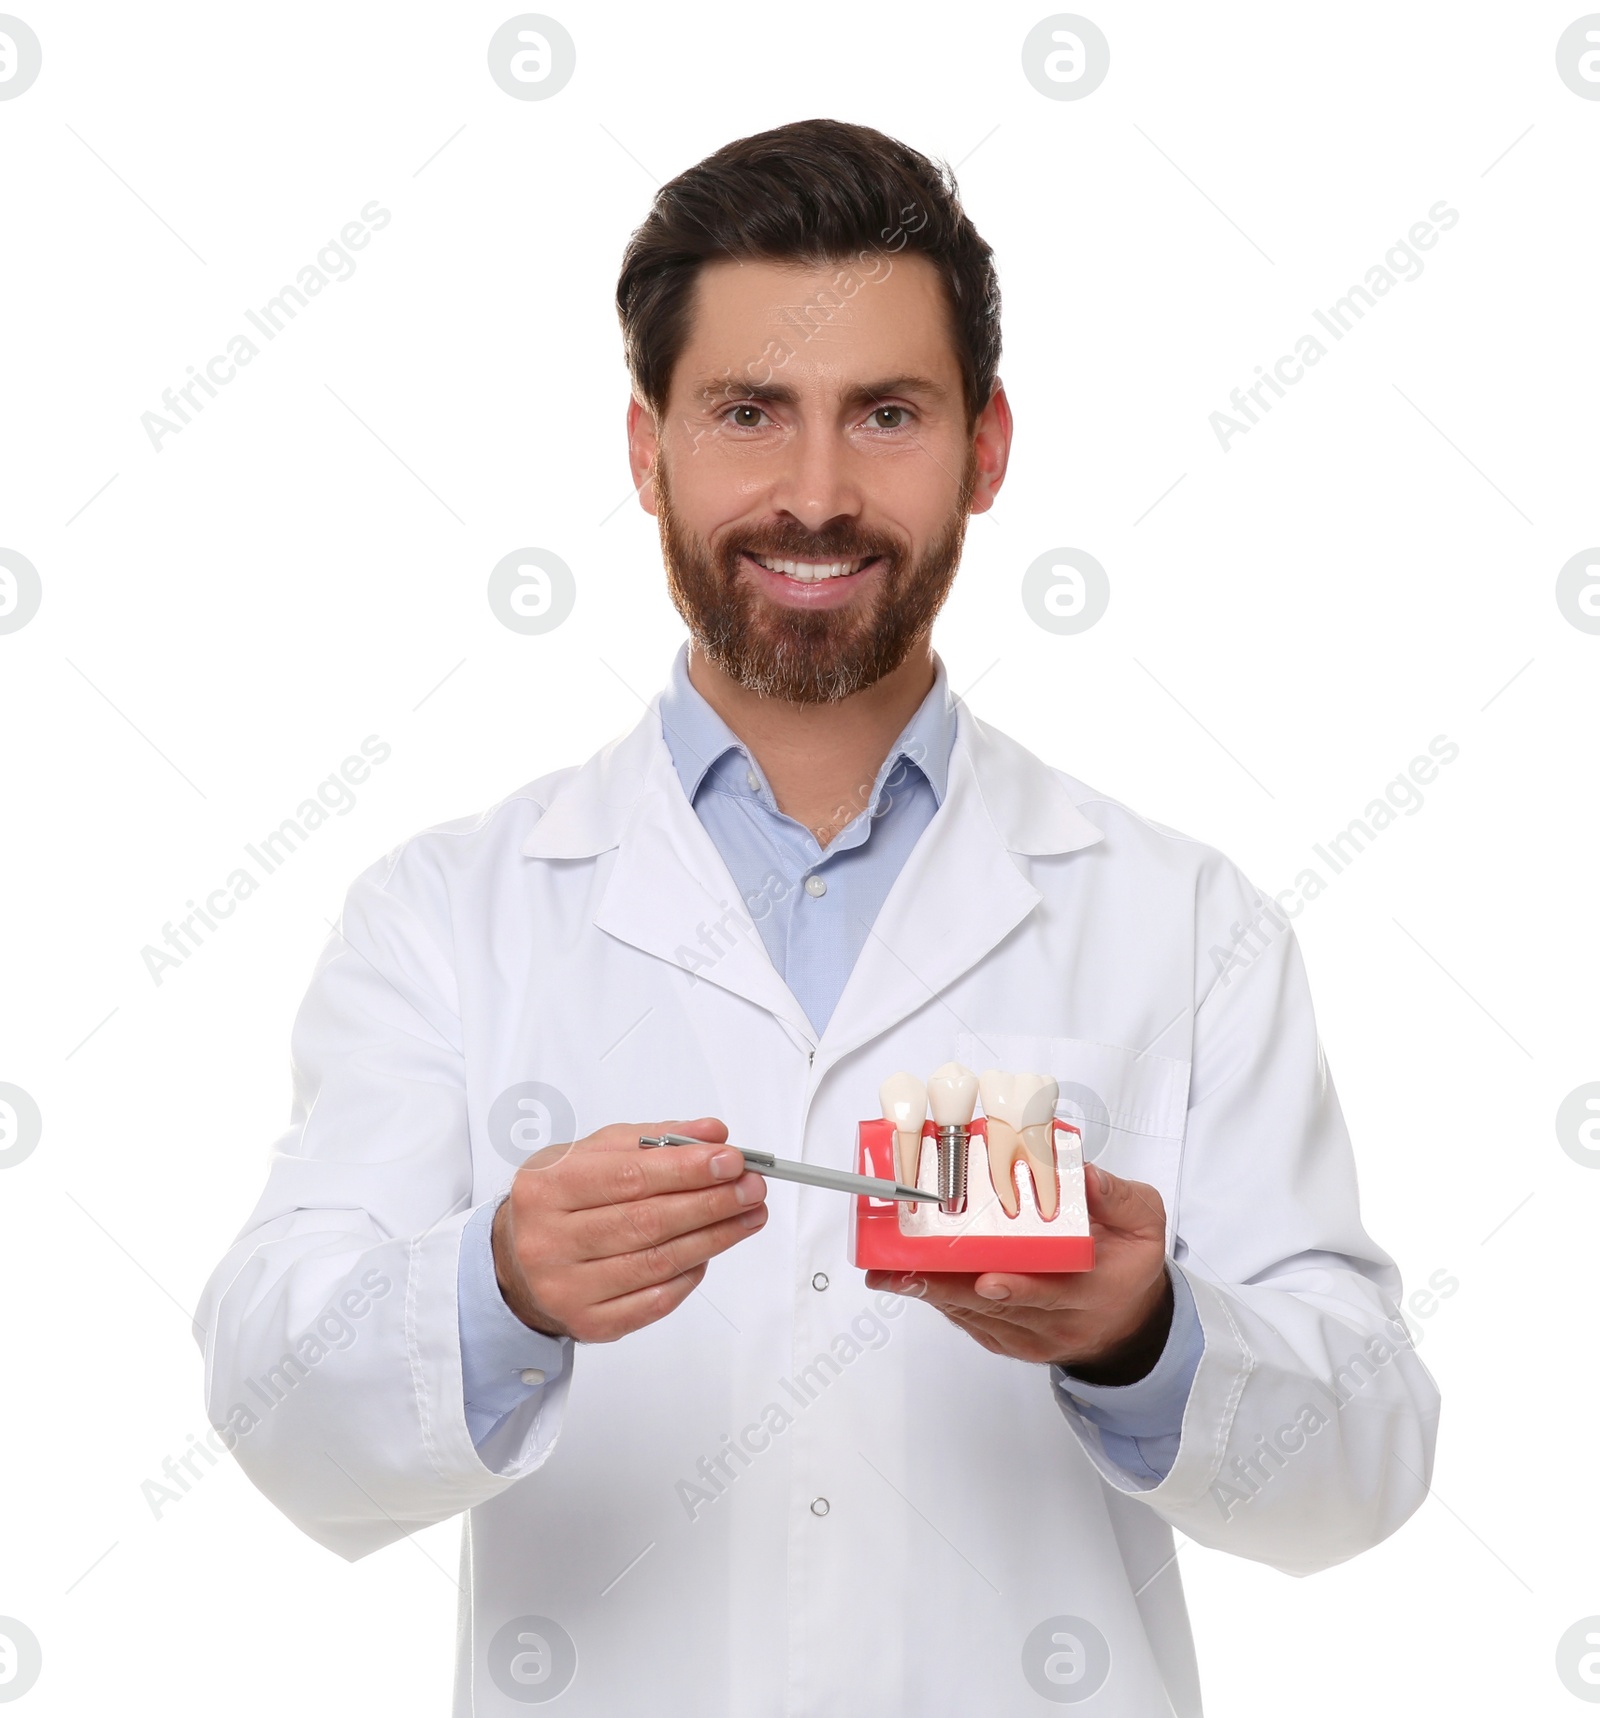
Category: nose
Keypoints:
(818, 485)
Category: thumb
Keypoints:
(1134, 1207)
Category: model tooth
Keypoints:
(1020, 1122)
(904, 1100)
(1001, 1114)
(1005, 1096)
(1039, 1142)
(952, 1095)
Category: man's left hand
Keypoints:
(1107, 1326)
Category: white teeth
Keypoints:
(905, 1103)
(809, 572)
(1020, 1111)
(953, 1094)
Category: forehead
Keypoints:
(845, 320)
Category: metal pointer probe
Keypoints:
(781, 1169)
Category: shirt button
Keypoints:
(532, 1375)
(820, 1281)
(819, 1506)
(815, 887)
(752, 781)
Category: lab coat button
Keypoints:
(820, 1281)
(819, 1506)
(815, 887)
(532, 1375)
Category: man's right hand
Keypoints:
(604, 1236)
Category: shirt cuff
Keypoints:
(1141, 1423)
(503, 1362)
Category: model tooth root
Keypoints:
(904, 1101)
(1004, 1146)
(1037, 1126)
(1039, 1148)
(908, 1158)
(1020, 1112)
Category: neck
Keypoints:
(820, 759)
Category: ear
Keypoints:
(991, 440)
(644, 449)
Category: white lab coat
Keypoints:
(1037, 925)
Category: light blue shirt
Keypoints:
(814, 907)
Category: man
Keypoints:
(768, 1486)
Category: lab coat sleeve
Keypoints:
(1141, 1424)
(331, 1327)
(1309, 1430)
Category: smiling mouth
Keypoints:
(812, 572)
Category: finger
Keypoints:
(624, 1273)
(1069, 1292)
(607, 1171)
(986, 1332)
(629, 1312)
(628, 1273)
(936, 1287)
(997, 1330)
(1018, 1341)
(1129, 1207)
(949, 1289)
(624, 1136)
(604, 1231)
(619, 1136)
(1063, 1291)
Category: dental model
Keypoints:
(1019, 1111)
(952, 1096)
(904, 1101)
(1038, 1222)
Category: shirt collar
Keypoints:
(697, 737)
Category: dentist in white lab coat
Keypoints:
(706, 1466)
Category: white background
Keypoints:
(1373, 565)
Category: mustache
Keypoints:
(807, 546)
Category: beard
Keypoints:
(808, 656)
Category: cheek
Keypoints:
(917, 482)
(702, 491)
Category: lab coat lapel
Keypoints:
(961, 892)
(668, 893)
(958, 896)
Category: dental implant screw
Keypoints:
(952, 1144)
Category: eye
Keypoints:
(745, 416)
(889, 417)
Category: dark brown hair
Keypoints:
(818, 191)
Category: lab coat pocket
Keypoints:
(1131, 1105)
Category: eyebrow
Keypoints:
(861, 394)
